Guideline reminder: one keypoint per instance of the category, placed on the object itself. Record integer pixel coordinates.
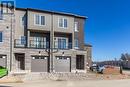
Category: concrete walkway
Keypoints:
(99, 83)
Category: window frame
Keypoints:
(1, 15)
(76, 43)
(22, 21)
(76, 29)
(40, 20)
(63, 23)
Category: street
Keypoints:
(88, 83)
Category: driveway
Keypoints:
(98, 83)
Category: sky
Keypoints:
(107, 28)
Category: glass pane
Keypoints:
(1, 15)
(65, 23)
(37, 19)
(0, 36)
(76, 26)
(42, 20)
(59, 43)
(60, 22)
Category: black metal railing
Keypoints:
(39, 44)
(62, 45)
(19, 43)
(42, 44)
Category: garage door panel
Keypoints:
(62, 64)
(39, 65)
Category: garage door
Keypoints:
(39, 64)
(62, 64)
(3, 59)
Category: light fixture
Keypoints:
(39, 53)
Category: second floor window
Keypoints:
(76, 26)
(1, 15)
(1, 37)
(76, 43)
(62, 43)
(22, 20)
(39, 19)
(63, 23)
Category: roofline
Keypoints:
(51, 12)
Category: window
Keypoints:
(1, 15)
(62, 43)
(1, 37)
(39, 20)
(40, 42)
(76, 43)
(42, 20)
(23, 40)
(5, 8)
(22, 21)
(76, 26)
(63, 23)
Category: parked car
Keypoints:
(97, 68)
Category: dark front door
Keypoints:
(80, 62)
(20, 61)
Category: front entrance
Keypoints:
(80, 62)
(20, 61)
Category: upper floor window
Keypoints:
(23, 40)
(76, 26)
(62, 43)
(22, 21)
(39, 19)
(76, 43)
(63, 23)
(5, 8)
(1, 15)
(1, 37)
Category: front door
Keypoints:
(20, 61)
(80, 62)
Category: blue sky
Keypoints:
(107, 27)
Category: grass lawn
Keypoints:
(3, 72)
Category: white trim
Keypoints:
(39, 20)
(76, 29)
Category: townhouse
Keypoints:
(33, 40)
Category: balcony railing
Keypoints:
(19, 43)
(62, 45)
(42, 45)
(39, 44)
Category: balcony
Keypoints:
(19, 43)
(39, 44)
(42, 45)
(62, 45)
